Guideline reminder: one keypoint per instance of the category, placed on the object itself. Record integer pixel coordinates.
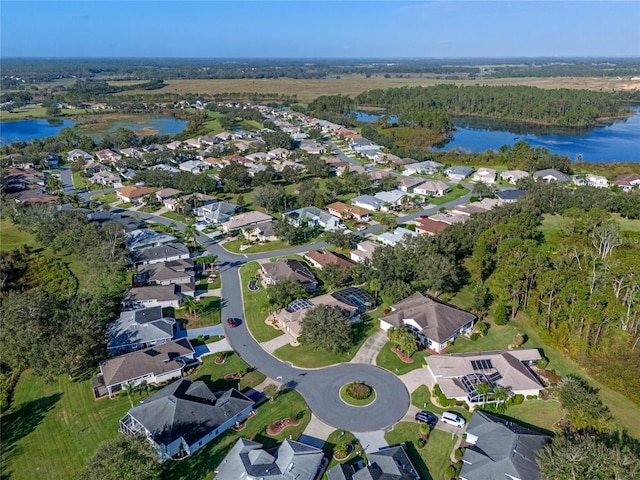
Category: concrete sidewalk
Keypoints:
(211, 348)
(316, 432)
(371, 441)
(274, 344)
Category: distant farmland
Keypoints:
(307, 90)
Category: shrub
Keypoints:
(532, 397)
(421, 443)
(459, 453)
(518, 399)
(501, 313)
(474, 336)
(482, 328)
(519, 339)
(359, 391)
(450, 473)
(542, 363)
(442, 399)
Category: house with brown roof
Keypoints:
(435, 188)
(430, 227)
(273, 272)
(105, 178)
(320, 259)
(436, 323)
(153, 365)
(627, 182)
(342, 210)
(459, 374)
(408, 183)
(132, 194)
(245, 220)
(107, 155)
(166, 193)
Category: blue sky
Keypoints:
(312, 29)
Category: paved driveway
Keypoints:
(371, 441)
(370, 348)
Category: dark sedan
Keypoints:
(233, 322)
(426, 417)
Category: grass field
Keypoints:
(255, 306)
(430, 461)
(452, 195)
(37, 112)
(11, 238)
(551, 225)
(210, 313)
(309, 89)
(52, 429)
(234, 246)
(110, 197)
(389, 360)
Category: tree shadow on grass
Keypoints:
(417, 461)
(219, 384)
(20, 422)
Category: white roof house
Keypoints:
(512, 176)
(485, 175)
(435, 188)
(395, 237)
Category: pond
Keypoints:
(24, 130)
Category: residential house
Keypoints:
(131, 194)
(501, 448)
(436, 323)
(428, 167)
(460, 374)
(157, 295)
(352, 301)
(166, 194)
(146, 237)
(458, 173)
(192, 143)
(434, 188)
(244, 220)
(256, 169)
(76, 155)
(259, 157)
(313, 217)
(387, 464)
(52, 160)
(261, 232)
(376, 176)
(175, 145)
(510, 196)
(368, 202)
(208, 140)
(391, 199)
(176, 272)
(92, 168)
(292, 460)
(395, 237)
(449, 218)
(131, 152)
(279, 153)
(153, 365)
(312, 147)
(590, 180)
(106, 179)
(155, 148)
(216, 212)
(273, 272)
(193, 166)
(320, 259)
(550, 175)
(399, 162)
(184, 416)
(429, 226)
(165, 168)
(364, 251)
(409, 183)
(627, 181)
(224, 136)
(107, 155)
(485, 175)
(162, 253)
(512, 176)
(347, 212)
(137, 329)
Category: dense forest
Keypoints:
(432, 107)
(39, 70)
(579, 285)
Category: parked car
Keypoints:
(361, 228)
(426, 417)
(233, 322)
(454, 419)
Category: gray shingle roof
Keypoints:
(139, 326)
(157, 360)
(292, 460)
(389, 464)
(289, 268)
(187, 409)
(150, 254)
(438, 320)
(503, 448)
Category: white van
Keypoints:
(454, 419)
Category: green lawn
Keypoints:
(110, 197)
(12, 238)
(498, 338)
(338, 437)
(256, 306)
(80, 180)
(148, 209)
(452, 195)
(389, 360)
(176, 217)
(308, 356)
(421, 397)
(540, 413)
(52, 429)
(551, 225)
(210, 313)
(234, 246)
(430, 461)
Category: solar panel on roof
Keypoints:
(481, 364)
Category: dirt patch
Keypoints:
(403, 358)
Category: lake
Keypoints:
(615, 141)
(25, 130)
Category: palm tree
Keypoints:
(484, 390)
(375, 286)
(191, 234)
(127, 389)
(54, 184)
(192, 306)
(172, 228)
(500, 394)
